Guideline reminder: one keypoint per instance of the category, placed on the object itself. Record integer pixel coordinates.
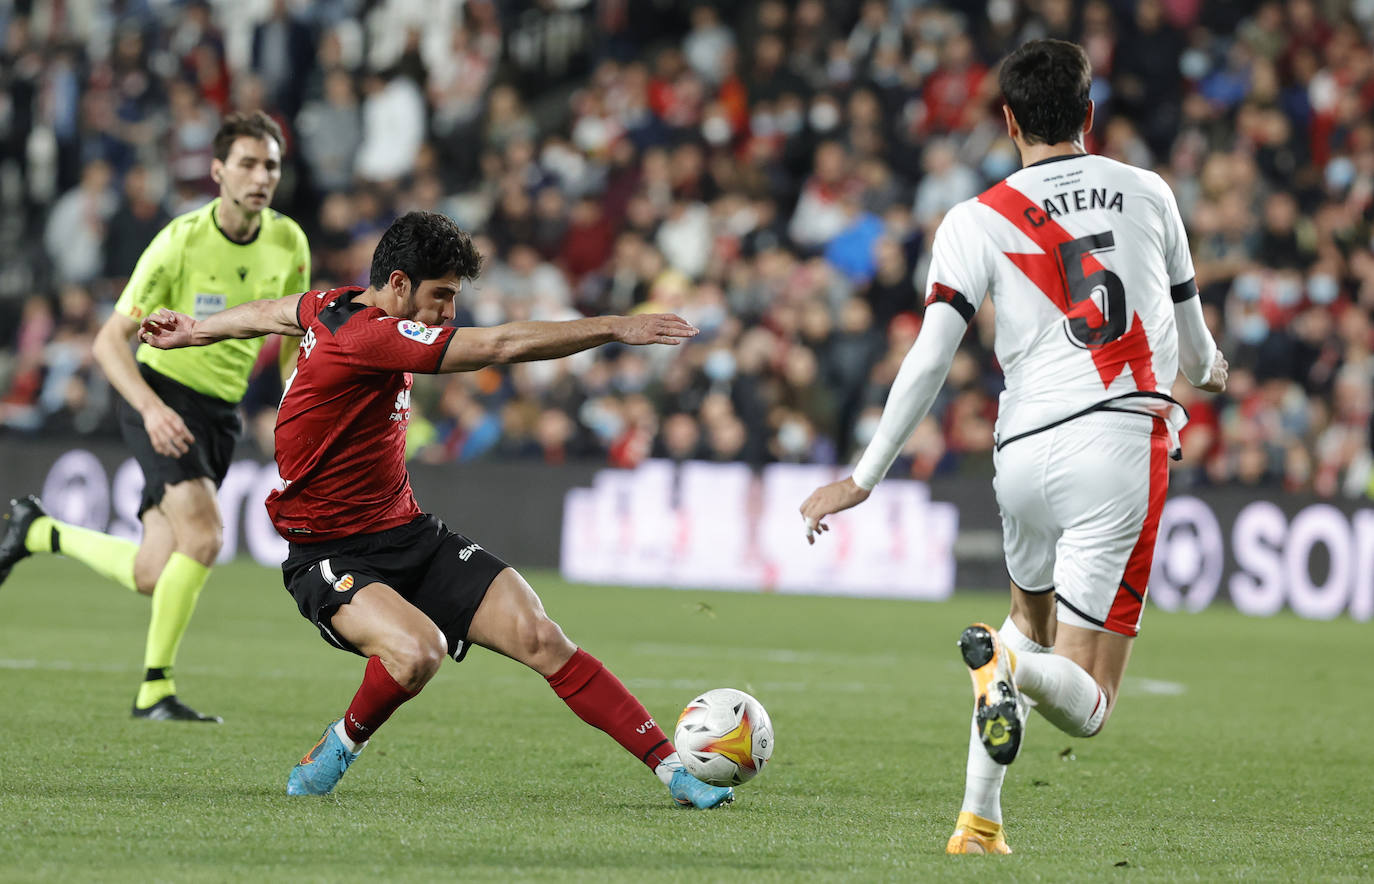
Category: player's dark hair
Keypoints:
(424, 245)
(1046, 84)
(237, 125)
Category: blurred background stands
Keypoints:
(772, 171)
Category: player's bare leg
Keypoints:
(511, 621)
(1075, 688)
(27, 529)
(1033, 628)
(181, 538)
(1073, 684)
(155, 548)
(998, 716)
(1034, 614)
(191, 510)
(381, 624)
(1028, 629)
(404, 650)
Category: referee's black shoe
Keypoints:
(22, 514)
(169, 708)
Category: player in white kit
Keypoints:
(1087, 263)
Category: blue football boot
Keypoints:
(692, 792)
(322, 767)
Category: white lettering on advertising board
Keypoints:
(722, 526)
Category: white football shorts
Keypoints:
(1080, 507)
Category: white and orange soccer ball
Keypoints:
(724, 737)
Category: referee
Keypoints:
(179, 411)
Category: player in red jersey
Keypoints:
(374, 573)
(1087, 262)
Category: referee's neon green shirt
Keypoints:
(193, 268)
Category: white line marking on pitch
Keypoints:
(695, 684)
(1130, 685)
(678, 684)
(1133, 685)
(771, 655)
(65, 666)
(119, 668)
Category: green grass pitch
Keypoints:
(1241, 749)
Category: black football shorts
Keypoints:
(444, 574)
(214, 423)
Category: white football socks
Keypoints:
(983, 776)
(1012, 637)
(982, 780)
(667, 767)
(347, 741)
(1064, 693)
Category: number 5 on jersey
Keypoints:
(1101, 289)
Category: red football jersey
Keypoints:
(341, 427)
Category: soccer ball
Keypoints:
(724, 737)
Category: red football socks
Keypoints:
(377, 697)
(601, 700)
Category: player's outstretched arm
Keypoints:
(474, 348)
(168, 330)
(922, 374)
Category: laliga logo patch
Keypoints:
(344, 583)
(418, 331)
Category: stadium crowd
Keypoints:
(771, 171)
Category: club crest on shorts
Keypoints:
(418, 331)
(340, 584)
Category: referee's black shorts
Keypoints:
(214, 423)
(442, 573)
